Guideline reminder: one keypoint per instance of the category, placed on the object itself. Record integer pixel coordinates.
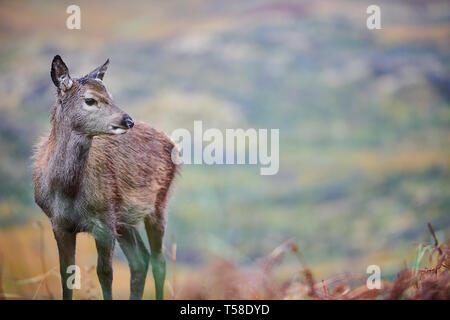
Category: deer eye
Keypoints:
(90, 101)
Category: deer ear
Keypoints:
(60, 74)
(100, 71)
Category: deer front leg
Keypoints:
(155, 234)
(66, 248)
(104, 242)
(138, 257)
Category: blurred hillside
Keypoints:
(364, 118)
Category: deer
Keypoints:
(99, 172)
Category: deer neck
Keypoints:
(69, 159)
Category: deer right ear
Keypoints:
(99, 72)
(60, 74)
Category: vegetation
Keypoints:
(364, 133)
(429, 278)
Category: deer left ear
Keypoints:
(100, 71)
(60, 74)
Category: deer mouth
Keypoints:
(118, 129)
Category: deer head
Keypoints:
(84, 104)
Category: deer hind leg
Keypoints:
(105, 241)
(155, 234)
(138, 257)
(66, 248)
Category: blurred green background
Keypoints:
(364, 119)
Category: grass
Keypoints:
(428, 278)
(226, 281)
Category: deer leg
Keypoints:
(155, 234)
(138, 257)
(66, 248)
(104, 242)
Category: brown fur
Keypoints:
(127, 175)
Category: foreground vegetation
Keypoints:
(426, 277)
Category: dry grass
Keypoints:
(224, 280)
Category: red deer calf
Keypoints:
(99, 172)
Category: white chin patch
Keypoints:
(118, 131)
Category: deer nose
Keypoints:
(127, 122)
